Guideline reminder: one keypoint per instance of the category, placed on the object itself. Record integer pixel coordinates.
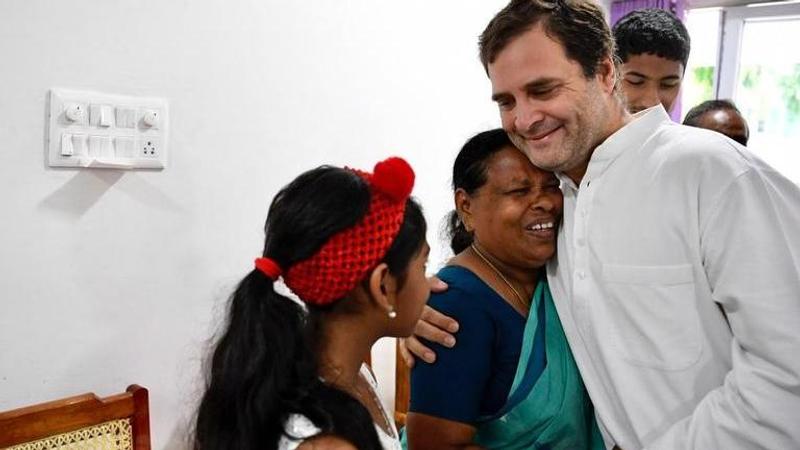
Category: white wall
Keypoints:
(108, 277)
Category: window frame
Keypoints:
(730, 39)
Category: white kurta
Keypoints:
(677, 281)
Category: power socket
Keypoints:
(150, 147)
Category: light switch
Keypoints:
(125, 147)
(106, 116)
(94, 115)
(79, 145)
(66, 145)
(94, 146)
(101, 115)
(107, 147)
(101, 147)
(126, 117)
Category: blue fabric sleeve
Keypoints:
(453, 386)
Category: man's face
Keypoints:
(649, 80)
(549, 109)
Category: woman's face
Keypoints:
(515, 214)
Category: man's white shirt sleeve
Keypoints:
(677, 281)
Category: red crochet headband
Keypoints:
(348, 256)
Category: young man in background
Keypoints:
(653, 46)
(721, 116)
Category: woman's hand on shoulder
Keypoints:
(327, 442)
(433, 326)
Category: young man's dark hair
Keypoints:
(579, 25)
(653, 31)
(721, 116)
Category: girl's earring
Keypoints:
(392, 313)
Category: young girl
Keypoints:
(351, 245)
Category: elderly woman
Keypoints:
(511, 381)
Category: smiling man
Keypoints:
(677, 271)
(653, 46)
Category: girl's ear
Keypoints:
(464, 208)
(383, 287)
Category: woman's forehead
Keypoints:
(511, 164)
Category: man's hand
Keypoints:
(433, 326)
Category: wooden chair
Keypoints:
(402, 388)
(118, 422)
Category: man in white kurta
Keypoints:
(677, 278)
(677, 285)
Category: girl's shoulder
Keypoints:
(298, 429)
(305, 436)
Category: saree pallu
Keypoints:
(547, 407)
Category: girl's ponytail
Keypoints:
(260, 366)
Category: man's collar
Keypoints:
(630, 137)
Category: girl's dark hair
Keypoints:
(469, 174)
(263, 367)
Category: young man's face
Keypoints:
(649, 80)
(549, 109)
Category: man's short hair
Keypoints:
(653, 31)
(693, 116)
(578, 25)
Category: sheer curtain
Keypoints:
(621, 7)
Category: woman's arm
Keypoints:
(427, 432)
(446, 397)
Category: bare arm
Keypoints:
(433, 326)
(428, 432)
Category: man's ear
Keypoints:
(607, 74)
(383, 287)
(464, 208)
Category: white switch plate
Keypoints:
(122, 140)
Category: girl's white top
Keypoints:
(298, 425)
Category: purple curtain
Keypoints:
(621, 7)
(678, 7)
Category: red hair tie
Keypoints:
(347, 257)
(269, 268)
